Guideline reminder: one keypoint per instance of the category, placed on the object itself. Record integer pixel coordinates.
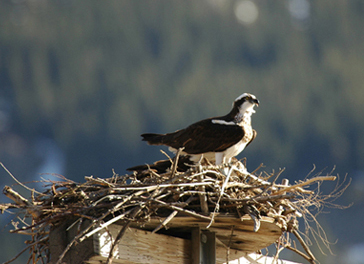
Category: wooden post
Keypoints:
(60, 237)
(195, 244)
(203, 246)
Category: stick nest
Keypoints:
(202, 192)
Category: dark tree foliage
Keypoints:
(95, 75)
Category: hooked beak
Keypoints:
(254, 101)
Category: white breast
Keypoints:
(234, 150)
(225, 156)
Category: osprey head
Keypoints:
(245, 103)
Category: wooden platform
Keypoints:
(244, 238)
(174, 245)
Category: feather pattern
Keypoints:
(230, 133)
(201, 137)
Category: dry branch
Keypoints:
(307, 182)
(22, 202)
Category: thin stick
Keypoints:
(221, 194)
(168, 157)
(278, 244)
(16, 197)
(133, 214)
(260, 166)
(277, 176)
(170, 217)
(195, 175)
(21, 201)
(175, 163)
(165, 221)
(104, 225)
(15, 179)
(100, 181)
(260, 199)
(302, 242)
(203, 198)
(117, 239)
(295, 250)
(182, 210)
(253, 177)
(152, 188)
(319, 178)
(29, 246)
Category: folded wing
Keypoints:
(201, 137)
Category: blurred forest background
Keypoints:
(81, 80)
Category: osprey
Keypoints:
(217, 138)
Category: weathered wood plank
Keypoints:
(138, 246)
(244, 238)
(254, 258)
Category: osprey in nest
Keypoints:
(218, 139)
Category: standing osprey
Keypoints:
(218, 138)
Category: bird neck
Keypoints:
(243, 118)
(241, 115)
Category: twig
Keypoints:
(15, 179)
(154, 187)
(303, 244)
(277, 176)
(133, 214)
(165, 221)
(258, 168)
(33, 233)
(279, 250)
(195, 175)
(170, 217)
(21, 201)
(99, 181)
(29, 246)
(255, 178)
(182, 210)
(16, 197)
(221, 194)
(203, 198)
(300, 253)
(175, 163)
(104, 225)
(165, 154)
(6, 206)
(319, 178)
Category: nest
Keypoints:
(202, 192)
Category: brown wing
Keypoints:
(205, 136)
